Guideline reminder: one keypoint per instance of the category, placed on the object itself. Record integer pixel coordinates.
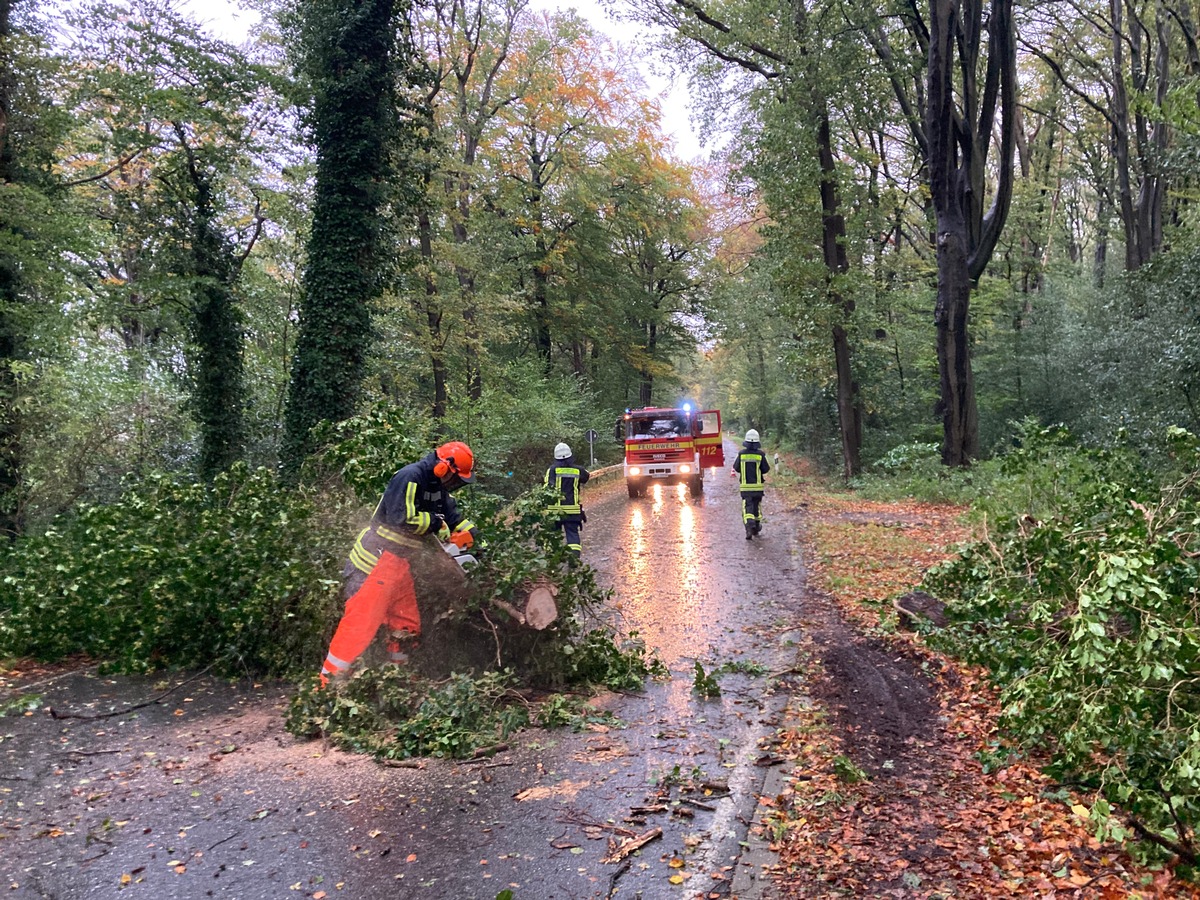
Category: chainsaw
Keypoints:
(460, 556)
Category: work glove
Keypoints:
(443, 532)
(463, 540)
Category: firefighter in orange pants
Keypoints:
(379, 587)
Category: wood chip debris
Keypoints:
(630, 845)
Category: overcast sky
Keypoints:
(230, 22)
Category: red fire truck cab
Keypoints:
(670, 446)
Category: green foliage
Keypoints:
(1081, 602)
(916, 470)
(365, 451)
(455, 718)
(596, 658)
(847, 772)
(561, 711)
(919, 456)
(522, 415)
(392, 714)
(741, 667)
(19, 704)
(704, 683)
(236, 573)
(676, 777)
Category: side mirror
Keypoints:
(619, 431)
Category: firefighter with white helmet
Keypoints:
(751, 467)
(565, 477)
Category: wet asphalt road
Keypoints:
(204, 794)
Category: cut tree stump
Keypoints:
(918, 605)
(540, 606)
(465, 627)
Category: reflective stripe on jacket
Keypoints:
(374, 539)
(751, 466)
(566, 479)
(415, 499)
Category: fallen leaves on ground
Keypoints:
(945, 828)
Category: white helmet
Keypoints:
(562, 451)
(752, 436)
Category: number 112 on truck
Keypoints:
(670, 445)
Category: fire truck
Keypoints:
(670, 446)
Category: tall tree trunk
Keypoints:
(1140, 153)
(959, 133)
(12, 342)
(216, 330)
(646, 384)
(541, 305)
(473, 340)
(960, 418)
(833, 228)
(433, 318)
(833, 247)
(349, 46)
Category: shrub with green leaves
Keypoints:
(235, 573)
(393, 714)
(1082, 601)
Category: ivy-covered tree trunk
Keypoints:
(348, 51)
(219, 391)
(11, 336)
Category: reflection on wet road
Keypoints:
(695, 590)
(677, 564)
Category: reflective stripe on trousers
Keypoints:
(571, 534)
(387, 596)
(752, 507)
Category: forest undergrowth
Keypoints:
(990, 817)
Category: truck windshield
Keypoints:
(649, 429)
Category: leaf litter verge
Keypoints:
(935, 824)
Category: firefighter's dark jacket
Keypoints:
(415, 504)
(751, 465)
(566, 478)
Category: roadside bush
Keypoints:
(1081, 600)
(236, 574)
(915, 470)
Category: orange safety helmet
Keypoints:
(456, 457)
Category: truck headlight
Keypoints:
(635, 470)
(685, 468)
